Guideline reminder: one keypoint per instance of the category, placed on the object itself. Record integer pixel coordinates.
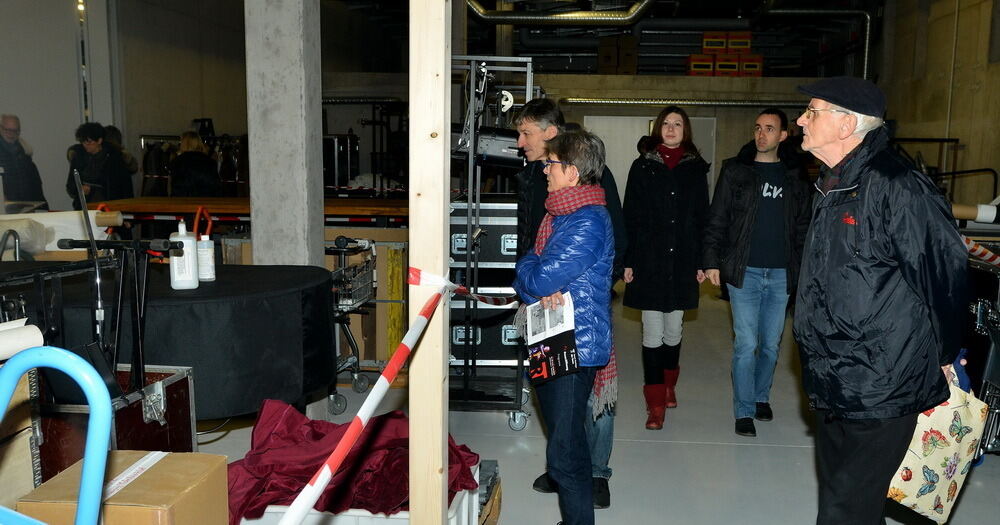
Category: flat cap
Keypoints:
(850, 93)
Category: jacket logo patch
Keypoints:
(848, 219)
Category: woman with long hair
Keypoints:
(193, 173)
(666, 204)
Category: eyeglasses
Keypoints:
(810, 112)
(12, 130)
(551, 162)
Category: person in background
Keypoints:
(753, 242)
(539, 120)
(666, 203)
(881, 303)
(21, 181)
(103, 172)
(113, 136)
(573, 252)
(193, 173)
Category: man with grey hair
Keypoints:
(21, 182)
(880, 303)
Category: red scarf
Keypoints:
(565, 202)
(670, 156)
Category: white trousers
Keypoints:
(661, 328)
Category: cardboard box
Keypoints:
(751, 65)
(178, 489)
(18, 413)
(701, 65)
(17, 468)
(490, 513)
(714, 42)
(727, 65)
(738, 42)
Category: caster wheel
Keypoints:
(336, 404)
(979, 461)
(360, 383)
(525, 396)
(517, 421)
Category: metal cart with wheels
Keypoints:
(353, 288)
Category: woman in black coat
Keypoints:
(193, 173)
(666, 204)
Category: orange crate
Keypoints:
(727, 65)
(751, 65)
(701, 65)
(738, 42)
(714, 42)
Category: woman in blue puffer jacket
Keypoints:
(573, 252)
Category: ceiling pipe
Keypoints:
(836, 12)
(584, 101)
(567, 18)
(360, 100)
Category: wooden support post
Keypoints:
(430, 138)
(505, 32)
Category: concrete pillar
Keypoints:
(284, 124)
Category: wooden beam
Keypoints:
(430, 137)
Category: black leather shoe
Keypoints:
(544, 484)
(744, 427)
(764, 412)
(602, 494)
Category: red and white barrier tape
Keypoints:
(314, 489)
(981, 252)
(419, 277)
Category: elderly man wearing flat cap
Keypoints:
(880, 301)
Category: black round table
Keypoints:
(256, 332)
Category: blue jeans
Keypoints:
(567, 456)
(758, 320)
(600, 437)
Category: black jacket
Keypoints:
(882, 296)
(194, 174)
(106, 172)
(733, 213)
(665, 211)
(531, 193)
(21, 181)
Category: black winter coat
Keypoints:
(531, 194)
(194, 174)
(106, 172)
(881, 303)
(733, 214)
(21, 181)
(665, 211)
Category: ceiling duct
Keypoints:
(660, 102)
(566, 18)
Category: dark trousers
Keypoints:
(567, 455)
(855, 461)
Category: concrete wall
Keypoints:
(40, 60)
(181, 60)
(922, 81)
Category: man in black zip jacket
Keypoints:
(881, 301)
(753, 242)
(538, 121)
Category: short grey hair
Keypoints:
(865, 124)
(6, 116)
(581, 149)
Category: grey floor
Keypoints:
(695, 471)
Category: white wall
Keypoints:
(39, 59)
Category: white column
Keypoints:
(284, 123)
(430, 136)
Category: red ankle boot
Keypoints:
(654, 394)
(670, 382)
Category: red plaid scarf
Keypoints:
(565, 202)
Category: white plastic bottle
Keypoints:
(184, 263)
(206, 259)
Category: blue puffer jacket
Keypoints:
(577, 258)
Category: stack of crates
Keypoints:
(726, 54)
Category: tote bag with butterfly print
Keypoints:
(940, 455)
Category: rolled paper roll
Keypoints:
(15, 336)
(981, 213)
(106, 219)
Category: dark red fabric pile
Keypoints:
(287, 448)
